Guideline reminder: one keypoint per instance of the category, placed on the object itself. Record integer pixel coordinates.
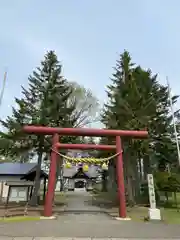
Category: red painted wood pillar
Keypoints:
(52, 178)
(120, 179)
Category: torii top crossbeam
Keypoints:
(84, 132)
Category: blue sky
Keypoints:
(87, 36)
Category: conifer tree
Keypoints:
(50, 100)
(137, 101)
(45, 103)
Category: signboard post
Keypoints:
(154, 213)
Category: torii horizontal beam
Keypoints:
(84, 132)
(85, 146)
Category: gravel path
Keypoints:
(81, 220)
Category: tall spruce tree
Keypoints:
(136, 101)
(45, 103)
(52, 101)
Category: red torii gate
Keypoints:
(56, 145)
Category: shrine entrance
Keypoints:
(80, 179)
(79, 184)
(56, 145)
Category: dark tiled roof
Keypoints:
(92, 172)
(30, 175)
(16, 168)
(69, 172)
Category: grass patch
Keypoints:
(168, 215)
(171, 216)
(137, 213)
(19, 219)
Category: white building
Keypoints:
(14, 176)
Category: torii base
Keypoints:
(48, 218)
(123, 219)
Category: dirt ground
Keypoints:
(15, 209)
(21, 209)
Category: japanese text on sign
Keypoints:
(152, 198)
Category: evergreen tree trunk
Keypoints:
(35, 195)
(147, 166)
(61, 179)
(129, 171)
(140, 169)
(112, 184)
(104, 181)
(59, 173)
(130, 196)
(34, 198)
(137, 181)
